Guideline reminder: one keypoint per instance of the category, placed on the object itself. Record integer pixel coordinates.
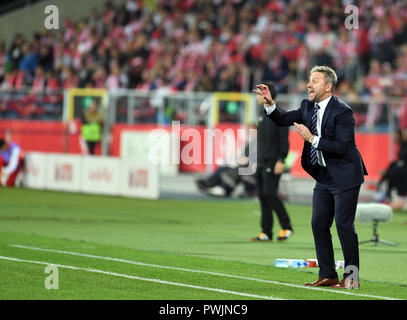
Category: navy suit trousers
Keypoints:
(329, 203)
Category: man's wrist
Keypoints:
(269, 109)
(266, 105)
(269, 102)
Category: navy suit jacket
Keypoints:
(337, 142)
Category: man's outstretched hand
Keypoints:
(264, 92)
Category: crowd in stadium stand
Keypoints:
(215, 45)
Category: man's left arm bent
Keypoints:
(342, 136)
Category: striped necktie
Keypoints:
(314, 131)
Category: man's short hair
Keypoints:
(329, 73)
(272, 89)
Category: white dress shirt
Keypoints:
(322, 107)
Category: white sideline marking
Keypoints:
(128, 276)
(336, 291)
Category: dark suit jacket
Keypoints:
(337, 143)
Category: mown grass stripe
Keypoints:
(127, 276)
(334, 291)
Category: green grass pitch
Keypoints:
(120, 248)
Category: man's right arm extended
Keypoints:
(283, 119)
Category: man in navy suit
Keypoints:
(331, 157)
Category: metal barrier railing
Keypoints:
(382, 114)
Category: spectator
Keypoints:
(3, 60)
(52, 82)
(380, 35)
(211, 45)
(345, 55)
(39, 81)
(28, 62)
(11, 162)
(15, 53)
(224, 181)
(116, 79)
(99, 78)
(14, 81)
(70, 80)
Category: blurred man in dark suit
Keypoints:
(272, 149)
